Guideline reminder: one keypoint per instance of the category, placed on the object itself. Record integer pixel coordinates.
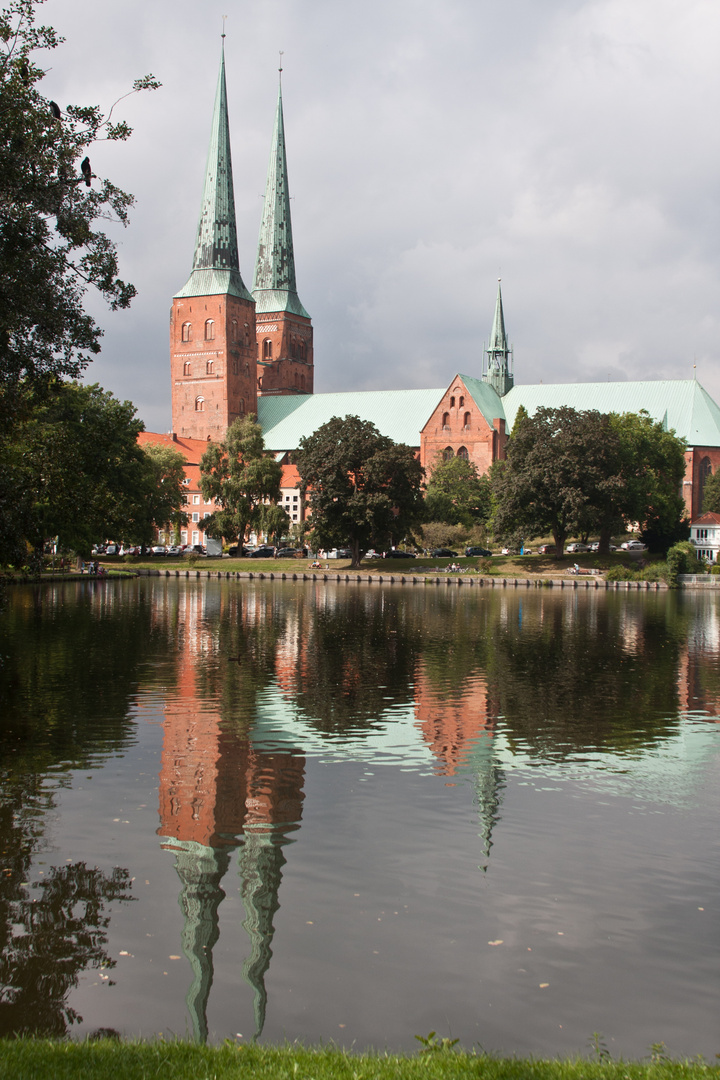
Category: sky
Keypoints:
(570, 147)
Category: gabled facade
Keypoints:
(705, 536)
(212, 323)
(468, 422)
(284, 329)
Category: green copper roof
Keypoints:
(274, 286)
(216, 268)
(401, 414)
(680, 405)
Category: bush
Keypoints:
(681, 559)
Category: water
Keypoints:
(353, 813)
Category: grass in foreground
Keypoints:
(28, 1059)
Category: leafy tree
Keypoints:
(158, 504)
(711, 494)
(561, 471)
(457, 494)
(75, 469)
(363, 487)
(243, 481)
(50, 202)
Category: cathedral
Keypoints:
(235, 351)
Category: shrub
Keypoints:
(681, 559)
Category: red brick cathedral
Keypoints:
(228, 345)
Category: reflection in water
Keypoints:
(253, 682)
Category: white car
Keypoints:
(573, 548)
(633, 545)
(596, 547)
(372, 554)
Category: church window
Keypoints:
(446, 421)
(448, 454)
(247, 369)
(466, 422)
(235, 367)
(209, 330)
(452, 402)
(242, 406)
(247, 335)
(461, 403)
(267, 349)
(303, 350)
(187, 331)
(234, 330)
(187, 368)
(705, 471)
(209, 367)
(463, 453)
(199, 404)
(302, 382)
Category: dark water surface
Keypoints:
(360, 813)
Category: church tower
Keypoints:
(498, 356)
(284, 329)
(212, 323)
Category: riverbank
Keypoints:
(30, 1059)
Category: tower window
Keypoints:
(187, 331)
(234, 330)
(462, 453)
(267, 349)
(199, 404)
(209, 367)
(247, 335)
(302, 382)
(235, 367)
(448, 454)
(187, 368)
(247, 369)
(210, 330)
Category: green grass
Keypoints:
(29, 1059)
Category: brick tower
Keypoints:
(212, 324)
(284, 329)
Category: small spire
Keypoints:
(498, 354)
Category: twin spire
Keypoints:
(216, 266)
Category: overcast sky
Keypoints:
(570, 146)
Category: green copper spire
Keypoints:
(498, 355)
(274, 285)
(216, 268)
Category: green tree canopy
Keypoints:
(457, 494)
(243, 481)
(158, 502)
(363, 487)
(711, 493)
(73, 470)
(51, 250)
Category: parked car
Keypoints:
(596, 546)
(157, 549)
(395, 553)
(510, 551)
(484, 552)
(372, 554)
(286, 553)
(194, 549)
(633, 545)
(576, 547)
(443, 553)
(174, 550)
(263, 552)
(546, 549)
(112, 549)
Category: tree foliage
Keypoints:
(161, 495)
(457, 494)
(711, 494)
(575, 473)
(51, 249)
(243, 481)
(72, 469)
(363, 487)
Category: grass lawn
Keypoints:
(30, 1059)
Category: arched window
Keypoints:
(303, 350)
(199, 404)
(452, 402)
(462, 453)
(267, 349)
(247, 369)
(247, 335)
(234, 331)
(209, 330)
(461, 402)
(703, 473)
(242, 406)
(209, 367)
(187, 331)
(466, 421)
(235, 367)
(187, 368)
(446, 421)
(302, 382)
(448, 454)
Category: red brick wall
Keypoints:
(221, 369)
(692, 484)
(484, 444)
(290, 368)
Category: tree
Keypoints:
(363, 487)
(561, 471)
(457, 494)
(243, 481)
(50, 203)
(74, 470)
(711, 494)
(158, 504)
